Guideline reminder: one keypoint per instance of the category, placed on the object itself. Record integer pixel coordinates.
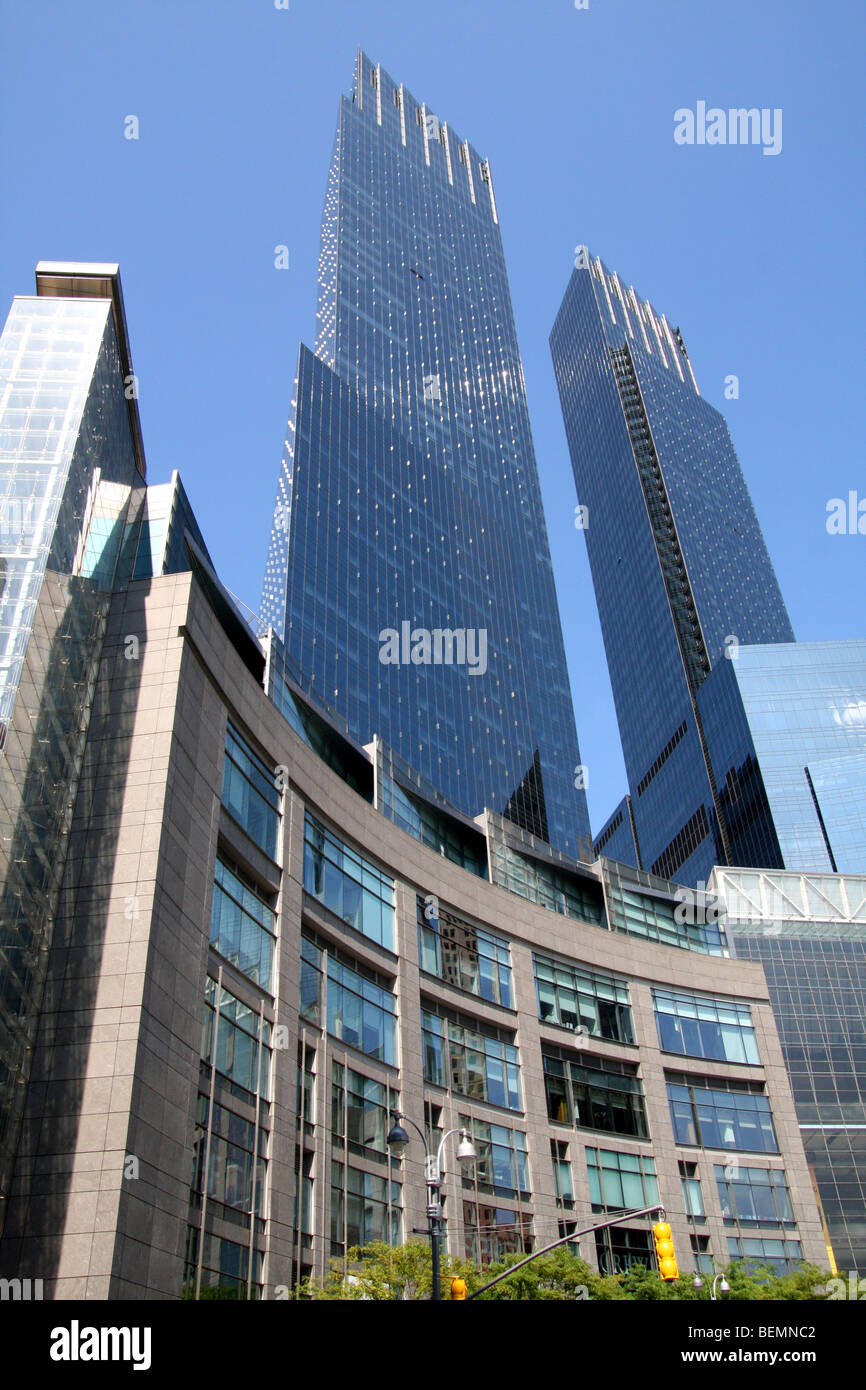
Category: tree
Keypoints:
(380, 1272)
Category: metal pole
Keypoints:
(566, 1240)
(434, 1243)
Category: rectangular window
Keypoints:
(364, 1207)
(249, 793)
(753, 1196)
(306, 1092)
(491, 1232)
(704, 1263)
(562, 1180)
(230, 1162)
(348, 885)
(463, 955)
(360, 1012)
(462, 1058)
(225, 1267)
(701, 1026)
(501, 1166)
(242, 924)
(243, 1052)
(361, 1111)
(693, 1200)
(618, 1249)
(361, 1006)
(311, 981)
(620, 1181)
(583, 999)
(782, 1256)
(715, 1118)
(601, 1094)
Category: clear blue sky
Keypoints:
(758, 258)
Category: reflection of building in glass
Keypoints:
(809, 933)
(408, 495)
(786, 726)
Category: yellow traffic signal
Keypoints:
(665, 1251)
(458, 1288)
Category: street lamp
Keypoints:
(699, 1281)
(398, 1140)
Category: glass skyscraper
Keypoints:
(681, 572)
(409, 573)
(809, 933)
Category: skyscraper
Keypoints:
(409, 572)
(681, 572)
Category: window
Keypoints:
(716, 1118)
(242, 924)
(364, 1207)
(361, 1007)
(620, 1181)
(782, 1255)
(562, 1180)
(462, 1057)
(360, 1111)
(618, 1249)
(306, 1093)
(704, 1263)
(501, 1163)
(304, 1186)
(701, 1026)
(753, 1196)
(601, 1094)
(348, 885)
(693, 1201)
(577, 997)
(311, 981)
(234, 1152)
(243, 1052)
(463, 955)
(249, 792)
(225, 1267)
(491, 1232)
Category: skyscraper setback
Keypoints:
(409, 492)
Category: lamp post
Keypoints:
(398, 1140)
(700, 1279)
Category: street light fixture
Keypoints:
(398, 1140)
(724, 1287)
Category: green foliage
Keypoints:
(382, 1273)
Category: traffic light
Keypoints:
(458, 1288)
(665, 1251)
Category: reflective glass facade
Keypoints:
(678, 561)
(71, 496)
(809, 933)
(408, 500)
(786, 727)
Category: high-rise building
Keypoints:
(732, 749)
(409, 573)
(77, 523)
(808, 931)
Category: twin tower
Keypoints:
(409, 534)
